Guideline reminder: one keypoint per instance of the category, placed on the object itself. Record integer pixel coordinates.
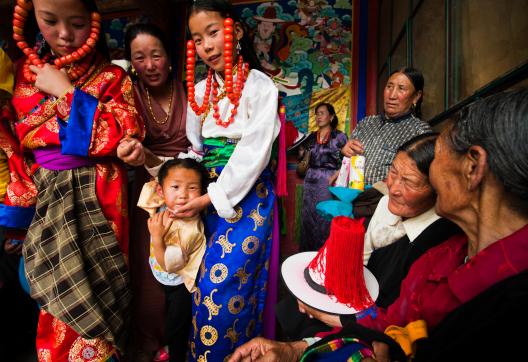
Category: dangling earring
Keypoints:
(238, 47)
(133, 71)
(170, 68)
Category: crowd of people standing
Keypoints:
(188, 280)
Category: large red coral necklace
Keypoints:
(233, 93)
(75, 71)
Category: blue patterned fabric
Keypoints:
(232, 281)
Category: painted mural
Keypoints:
(305, 46)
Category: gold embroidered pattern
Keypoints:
(25, 90)
(257, 218)
(126, 90)
(236, 304)
(44, 355)
(213, 236)
(265, 287)
(204, 357)
(250, 328)
(59, 331)
(89, 350)
(100, 135)
(263, 251)
(212, 173)
(203, 270)
(197, 296)
(208, 335)
(253, 302)
(227, 247)
(218, 273)
(195, 326)
(98, 83)
(250, 245)
(232, 334)
(193, 348)
(52, 126)
(262, 190)
(242, 274)
(213, 308)
(237, 217)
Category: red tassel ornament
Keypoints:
(20, 15)
(340, 260)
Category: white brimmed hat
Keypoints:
(305, 274)
(269, 15)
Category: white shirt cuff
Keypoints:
(311, 340)
(220, 201)
(191, 154)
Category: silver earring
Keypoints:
(238, 47)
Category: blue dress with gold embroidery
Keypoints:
(229, 301)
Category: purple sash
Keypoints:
(51, 158)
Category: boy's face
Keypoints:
(180, 186)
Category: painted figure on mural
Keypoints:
(265, 40)
(334, 74)
(309, 11)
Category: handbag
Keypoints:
(303, 165)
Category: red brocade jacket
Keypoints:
(87, 122)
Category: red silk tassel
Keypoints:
(282, 189)
(341, 261)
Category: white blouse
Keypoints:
(255, 126)
(386, 228)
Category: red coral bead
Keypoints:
(90, 42)
(21, 11)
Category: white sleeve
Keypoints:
(252, 152)
(193, 129)
(376, 222)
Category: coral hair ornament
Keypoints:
(232, 91)
(20, 15)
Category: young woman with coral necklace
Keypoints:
(232, 119)
(73, 107)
